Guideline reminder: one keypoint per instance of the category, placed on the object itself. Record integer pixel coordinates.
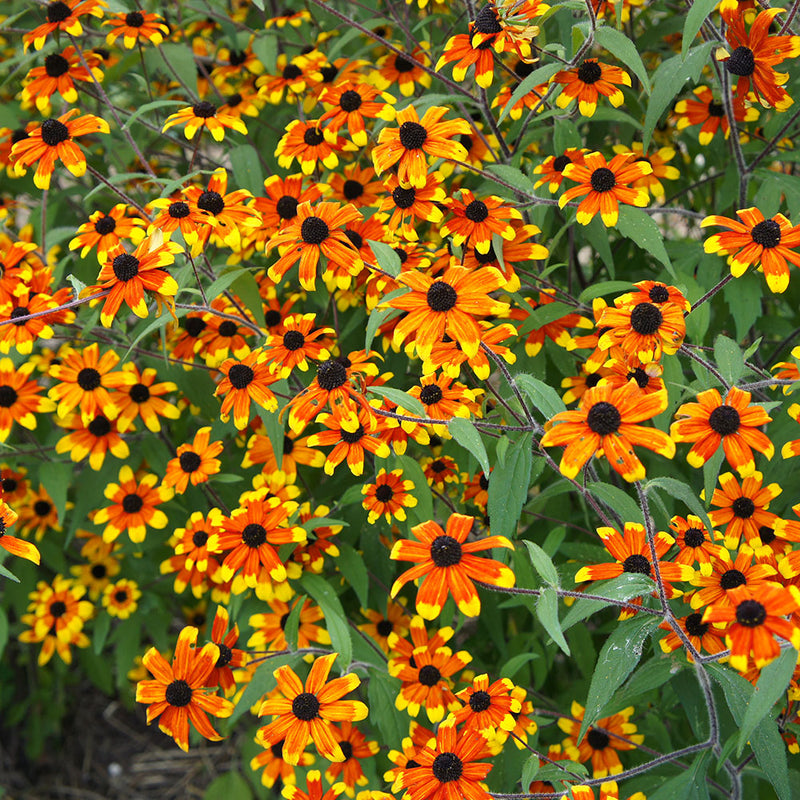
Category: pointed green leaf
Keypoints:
(547, 612)
(465, 433)
(625, 50)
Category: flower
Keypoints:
(178, 694)
(356, 748)
(381, 626)
(11, 544)
(58, 74)
(195, 462)
(349, 444)
(352, 102)
(84, 382)
(734, 423)
(138, 395)
(415, 138)
(305, 712)
(743, 508)
(52, 140)
(477, 221)
(587, 82)
(552, 168)
(449, 768)
(446, 561)
(308, 143)
(276, 768)
(605, 423)
(106, 230)
(93, 437)
(754, 55)
(120, 598)
(702, 635)
(658, 161)
(758, 241)
(244, 381)
(134, 506)
(205, 115)
(314, 786)
(63, 15)
(56, 618)
(597, 744)
(488, 707)
(696, 544)
(19, 397)
(446, 305)
(250, 535)
(270, 627)
(315, 231)
(229, 658)
(194, 547)
(136, 27)
(756, 619)
(725, 575)
(389, 495)
(412, 204)
(710, 114)
(296, 343)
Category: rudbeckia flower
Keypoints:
(349, 444)
(415, 138)
(136, 27)
(604, 186)
(756, 241)
(204, 115)
(52, 140)
(488, 707)
(230, 657)
(138, 395)
(92, 437)
(743, 508)
(120, 599)
(270, 626)
(475, 221)
(445, 559)
(726, 574)
(389, 495)
(195, 462)
(178, 693)
(702, 635)
(59, 73)
(107, 230)
(244, 381)
(306, 712)
(63, 15)
(587, 82)
(396, 69)
(19, 397)
(11, 544)
(381, 626)
(409, 205)
(352, 103)
(308, 143)
(606, 423)
(756, 619)
(734, 423)
(194, 547)
(356, 748)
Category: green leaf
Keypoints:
(640, 228)
(565, 135)
(247, 169)
(547, 612)
(729, 359)
(618, 500)
(711, 473)
(770, 688)
(770, 752)
(102, 625)
(246, 288)
(743, 297)
(465, 433)
(56, 479)
(335, 619)
(262, 682)
(150, 107)
(621, 588)
(529, 769)
(352, 567)
(386, 256)
(698, 12)
(265, 45)
(527, 84)
(412, 471)
(545, 398)
(512, 176)
(625, 50)
(401, 399)
(542, 563)
(508, 487)
(292, 626)
(3, 630)
(684, 493)
(381, 693)
(229, 786)
(604, 288)
(515, 663)
(597, 235)
(544, 315)
(617, 659)
(179, 56)
(689, 785)
(668, 80)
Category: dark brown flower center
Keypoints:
(291, 72)
(384, 493)
(120, 595)
(429, 675)
(132, 503)
(351, 437)
(559, 162)
(125, 266)
(105, 225)
(178, 693)
(135, 19)
(179, 210)
(589, 72)
(139, 393)
(194, 326)
(204, 109)
(240, 376)
(694, 537)
(476, 211)
(441, 296)
(288, 445)
(646, 319)
(403, 64)
(603, 180)
(19, 314)
(313, 137)
(254, 535)
(42, 508)
(404, 198)
(724, 420)
(732, 578)
(695, 625)
(54, 132)
(314, 230)
(225, 655)
(716, 109)
(352, 189)
(98, 571)
(637, 563)
(228, 329)
(766, 534)
(211, 202)
(603, 418)
(293, 340)
(55, 65)
(742, 62)
(350, 100)
(88, 379)
(751, 614)
(486, 21)
(743, 507)
(659, 293)
(430, 394)
(57, 12)
(199, 538)
(597, 739)
(189, 461)
(447, 767)
(331, 374)
(305, 706)
(480, 701)
(8, 396)
(412, 135)
(384, 628)
(99, 426)
(445, 551)
(356, 239)
(287, 207)
(767, 233)
(58, 608)
(638, 375)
